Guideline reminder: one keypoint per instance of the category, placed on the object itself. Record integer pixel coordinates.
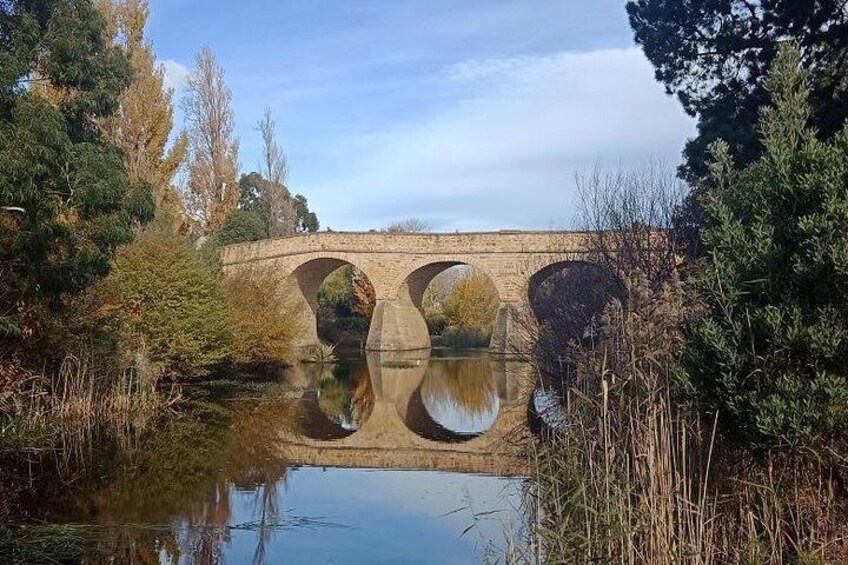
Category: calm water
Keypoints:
(377, 460)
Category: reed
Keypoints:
(624, 477)
(323, 353)
(630, 474)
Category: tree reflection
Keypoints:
(461, 388)
(169, 497)
(346, 396)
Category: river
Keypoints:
(411, 458)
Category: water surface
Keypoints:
(354, 463)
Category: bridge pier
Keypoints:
(514, 330)
(397, 325)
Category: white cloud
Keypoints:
(176, 74)
(504, 153)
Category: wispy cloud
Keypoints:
(504, 152)
(176, 74)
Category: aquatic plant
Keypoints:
(323, 353)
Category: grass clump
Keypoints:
(323, 353)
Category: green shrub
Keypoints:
(770, 355)
(166, 305)
(242, 226)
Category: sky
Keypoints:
(471, 115)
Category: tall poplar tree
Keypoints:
(142, 124)
(213, 192)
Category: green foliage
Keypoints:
(771, 352)
(242, 226)
(57, 78)
(715, 56)
(306, 221)
(167, 304)
(255, 190)
(336, 292)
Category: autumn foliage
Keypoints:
(262, 322)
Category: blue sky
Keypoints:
(472, 115)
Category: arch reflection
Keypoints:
(460, 395)
(336, 402)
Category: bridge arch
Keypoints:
(565, 298)
(399, 266)
(398, 322)
(305, 280)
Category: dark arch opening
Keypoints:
(341, 298)
(566, 299)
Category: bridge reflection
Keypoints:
(404, 410)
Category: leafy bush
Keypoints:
(166, 305)
(472, 303)
(242, 226)
(469, 312)
(262, 322)
(771, 352)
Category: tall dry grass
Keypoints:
(66, 407)
(624, 477)
(631, 474)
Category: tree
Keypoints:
(263, 324)
(77, 205)
(410, 225)
(469, 312)
(143, 121)
(166, 305)
(306, 221)
(715, 56)
(472, 303)
(273, 189)
(364, 296)
(770, 355)
(261, 196)
(212, 149)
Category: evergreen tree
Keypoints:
(69, 204)
(715, 56)
(771, 352)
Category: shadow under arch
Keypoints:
(304, 282)
(565, 299)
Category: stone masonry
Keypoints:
(401, 265)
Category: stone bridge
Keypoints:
(400, 434)
(400, 266)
